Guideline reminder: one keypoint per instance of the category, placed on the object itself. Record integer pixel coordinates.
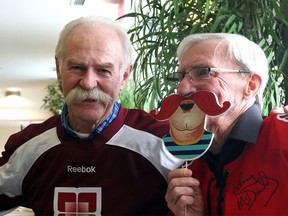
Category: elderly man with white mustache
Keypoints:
(97, 158)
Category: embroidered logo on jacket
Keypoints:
(283, 117)
(77, 201)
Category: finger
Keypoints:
(177, 192)
(182, 182)
(180, 207)
(184, 195)
(182, 172)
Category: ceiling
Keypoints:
(29, 32)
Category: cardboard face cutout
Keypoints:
(188, 138)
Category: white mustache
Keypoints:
(78, 94)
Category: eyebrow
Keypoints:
(74, 61)
(107, 65)
(79, 61)
(189, 67)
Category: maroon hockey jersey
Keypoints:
(122, 171)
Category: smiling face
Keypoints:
(92, 58)
(187, 123)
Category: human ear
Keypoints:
(125, 77)
(253, 85)
(59, 76)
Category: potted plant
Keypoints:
(159, 26)
(54, 99)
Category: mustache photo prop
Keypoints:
(188, 138)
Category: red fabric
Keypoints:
(258, 180)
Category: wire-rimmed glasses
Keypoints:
(202, 73)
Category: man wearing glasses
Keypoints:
(244, 172)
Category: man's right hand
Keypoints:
(184, 196)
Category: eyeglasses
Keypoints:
(197, 74)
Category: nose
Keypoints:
(187, 106)
(186, 87)
(89, 79)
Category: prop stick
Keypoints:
(185, 210)
(188, 138)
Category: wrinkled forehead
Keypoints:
(93, 33)
(207, 53)
(99, 39)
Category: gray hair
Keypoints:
(245, 53)
(94, 21)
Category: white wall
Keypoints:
(5, 132)
(11, 118)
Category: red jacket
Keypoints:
(248, 178)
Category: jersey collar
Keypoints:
(248, 126)
(99, 129)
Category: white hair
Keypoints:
(94, 21)
(245, 53)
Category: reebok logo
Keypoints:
(81, 169)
